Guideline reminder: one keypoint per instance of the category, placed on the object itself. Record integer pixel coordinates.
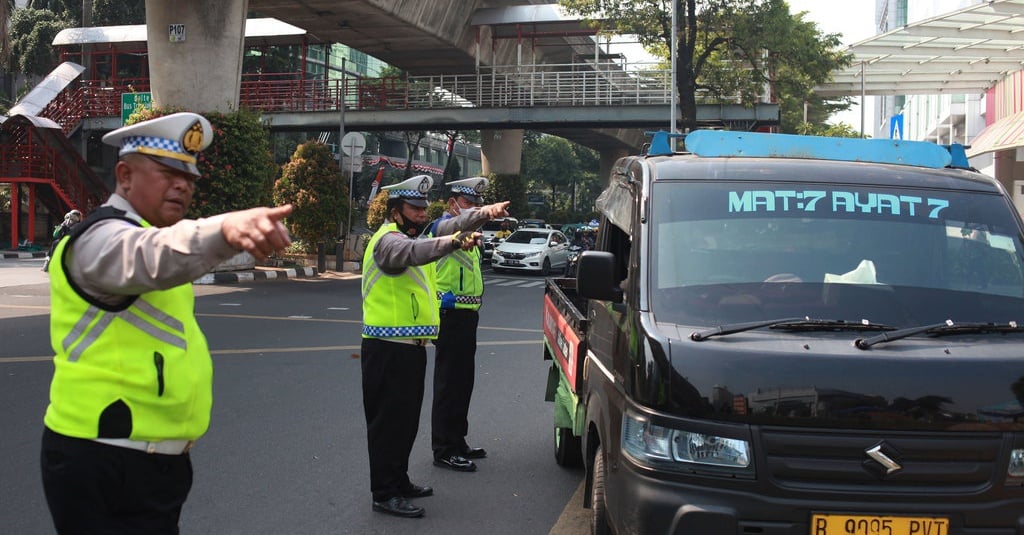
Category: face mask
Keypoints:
(454, 208)
(408, 227)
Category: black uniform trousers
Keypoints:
(99, 489)
(454, 372)
(393, 375)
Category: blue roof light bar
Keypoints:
(660, 145)
(722, 143)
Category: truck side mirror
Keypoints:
(595, 276)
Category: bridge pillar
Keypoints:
(501, 151)
(198, 67)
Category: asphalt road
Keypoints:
(286, 452)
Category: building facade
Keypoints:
(990, 123)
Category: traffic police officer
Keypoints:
(400, 314)
(460, 289)
(132, 383)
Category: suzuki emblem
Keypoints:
(876, 454)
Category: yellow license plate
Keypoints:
(878, 525)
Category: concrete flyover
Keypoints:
(423, 38)
(614, 127)
(430, 37)
(419, 37)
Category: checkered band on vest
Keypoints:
(465, 190)
(408, 193)
(149, 142)
(464, 299)
(417, 331)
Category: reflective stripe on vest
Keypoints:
(130, 316)
(465, 299)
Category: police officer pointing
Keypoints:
(400, 315)
(132, 383)
(460, 288)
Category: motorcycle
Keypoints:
(572, 260)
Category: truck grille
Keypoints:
(947, 463)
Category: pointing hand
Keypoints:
(257, 230)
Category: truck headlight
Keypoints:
(1015, 471)
(650, 444)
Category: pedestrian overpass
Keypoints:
(603, 104)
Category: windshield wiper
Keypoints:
(795, 324)
(940, 329)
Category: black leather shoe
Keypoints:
(455, 462)
(474, 453)
(398, 506)
(416, 491)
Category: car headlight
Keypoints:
(654, 445)
(531, 255)
(1015, 472)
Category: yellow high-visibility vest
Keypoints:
(398, 306)
(142, 370)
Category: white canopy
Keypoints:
(962, 52)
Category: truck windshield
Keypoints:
(728, 252)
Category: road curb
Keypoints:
(255, 275)
(15, 255)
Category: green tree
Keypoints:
(31, 35)
(828, 130)
(508, 188)
(68, 10)
(118, 12)
(549, 162)
(728, 47)
(6, 8)
(312, 183)
(26, 44)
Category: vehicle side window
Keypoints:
(614, 240)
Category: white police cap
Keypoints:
(413, 191)
(173, 140)
(470, 188)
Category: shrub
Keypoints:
(311, 182)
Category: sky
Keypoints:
(855, 20)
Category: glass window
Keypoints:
(527, 236)
(726, 252)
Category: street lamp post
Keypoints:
(672, 70)
(339, 252)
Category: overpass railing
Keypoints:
(544, 85)
(576, 84)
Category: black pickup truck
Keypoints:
(793, 335)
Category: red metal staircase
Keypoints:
(36, 155)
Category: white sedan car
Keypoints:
(532, 249)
